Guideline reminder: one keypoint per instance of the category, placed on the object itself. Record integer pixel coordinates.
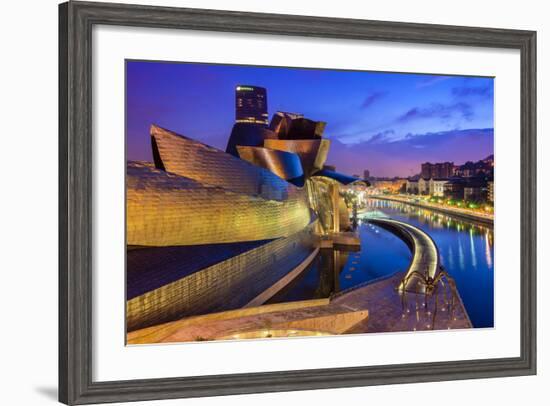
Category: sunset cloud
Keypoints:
(485, 91)
(403, 157)
(372, 98)
(383, 121)
(437, 110)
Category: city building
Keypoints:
(473, 189)
(366, 174)
(251, 105)
(490, 191)
(467, 170)
(476, 189)
(423, 186)
(391, 186)
(437, 170)
(437, 186)
(475, 193)
(454, 188)
(412, 186)
(484, 167)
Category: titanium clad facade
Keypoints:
(312, 153)
(284, 164)
(303, 128)
(215, 288)
(209, 230)
(344, 221)
(210, 166)
(293, 126)
(320, 201)
(166, 209)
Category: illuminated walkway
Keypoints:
(423, 248)
(387, 313)
(387, 310)
(467, 214)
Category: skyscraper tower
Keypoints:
(251, 105)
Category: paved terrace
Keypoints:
(309, 317)
(389, 313)
(375, 308)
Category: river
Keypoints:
(465, 247)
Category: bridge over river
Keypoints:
(425, 253)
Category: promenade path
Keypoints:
(466, 214)
(425, 253)
(384, 299)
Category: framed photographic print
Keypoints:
(260, 202)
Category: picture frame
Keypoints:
(76, 19)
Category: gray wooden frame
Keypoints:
(76, 20)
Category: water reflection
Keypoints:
(339, 269)
(473, 254)
(460, 255)
(472, 267)
(488, 250)
(321, 279)
(438, 221)
(466, 250)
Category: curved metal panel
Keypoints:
(340, 177)
(304, 128)
(281, 122)
(165, 209)
(294, 126)
(343, 212)
(312, 153)
(286, 165)
(210, 166)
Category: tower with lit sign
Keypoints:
(251, 105)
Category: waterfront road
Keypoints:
(468, 214)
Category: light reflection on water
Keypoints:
(466, 250)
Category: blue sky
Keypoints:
(385, 122)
